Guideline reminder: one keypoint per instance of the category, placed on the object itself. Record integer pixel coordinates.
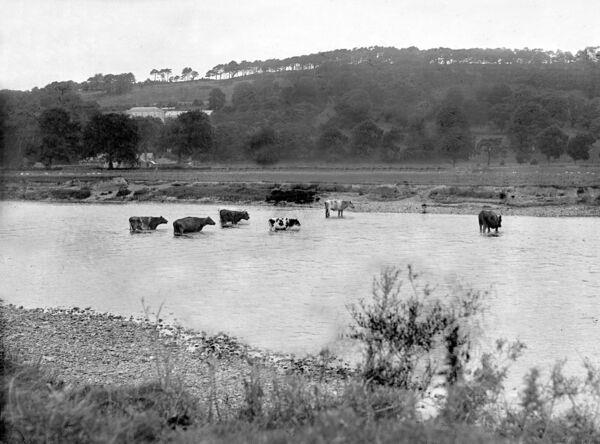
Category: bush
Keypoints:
(267, 155)
(142, 194)
(405, 325)
(61, 193)
(39, 408)
(123, 192)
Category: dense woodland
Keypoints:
(383, 105)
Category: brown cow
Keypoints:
(232, 217)
(191, 224)
(489, 219)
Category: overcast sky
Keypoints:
(46, 40)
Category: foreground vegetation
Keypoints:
(418, 382)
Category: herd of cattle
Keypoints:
(488, 220)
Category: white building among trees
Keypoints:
(146, 111)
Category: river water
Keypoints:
(289, 291)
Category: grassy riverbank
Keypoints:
(73, 376)
(554, 190)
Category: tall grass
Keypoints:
(413, 340)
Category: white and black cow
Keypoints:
(230, 217)
(191, 224)
(283, 223)
(143, 223)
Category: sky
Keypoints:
(42, 41)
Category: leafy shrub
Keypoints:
(267, 155)
(62, 193)
(403, 327)
(142, 194)
(473, 399)
(123, 192)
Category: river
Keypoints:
(289, 291)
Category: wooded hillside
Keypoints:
(374, 104)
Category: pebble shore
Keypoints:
(80, 346)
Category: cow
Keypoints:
(232, 217)
(191, 224)
(143, 223)
(337, 205)
(283, 223)
(489, 219)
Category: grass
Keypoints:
(225, 191)
(561, 175)
(163, 93)
(406, 329)
(39, 408)
(444, 193)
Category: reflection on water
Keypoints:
(289, 290)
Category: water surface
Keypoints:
(289, 291)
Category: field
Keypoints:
(160, 93)
(558, 175)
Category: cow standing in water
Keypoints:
(283, 223)
(488, 220)
(191, 225)
(229, 217)
(144, 223)
(337, 205)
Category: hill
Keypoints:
(368, 104)
(159, 94)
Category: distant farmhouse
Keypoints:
(146, 111)
(162, 114)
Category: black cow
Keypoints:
(489, 219)
(142, 223)
(232, 217)
(191, 224)
(283, 223)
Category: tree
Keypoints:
(392, 145)
(366, 139)
(354, 106)
(191, 134)
(263, 146)
(579, 146)
(185, 73)
(595, 128)
(244, 96)
(194, 74)
(216, 99)
(527, 121)
(60, 136)
(333, 144)
(455, 140)
(149, 130)
(114, 136)
(154, 73)
(552, 142)
(490, 146)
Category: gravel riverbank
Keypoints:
(80, 346)
(523, 200)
